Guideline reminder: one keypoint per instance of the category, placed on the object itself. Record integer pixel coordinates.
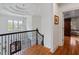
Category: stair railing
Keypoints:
(11, 43)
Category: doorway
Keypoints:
(67, 27)
(71, 36)
(67, 33)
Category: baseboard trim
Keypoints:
(53, 50)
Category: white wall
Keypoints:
(36, 22)
(56, 28)
(54, 32)
(29, 22)
(47, 26)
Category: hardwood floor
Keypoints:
(70, 47)
(38, 50)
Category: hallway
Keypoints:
(70, 47)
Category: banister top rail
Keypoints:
(17, 32)
(39, 32)
(22, 32)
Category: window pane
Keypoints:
(10, 25)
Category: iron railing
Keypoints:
(11, 43)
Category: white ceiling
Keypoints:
(20, 8)
(24, 9)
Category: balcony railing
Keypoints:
(11, 43)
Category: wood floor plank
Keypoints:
(38, 50)
(70, 47)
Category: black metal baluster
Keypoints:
(11, 38)
(43, 40)
(8, 45)
(23, 40)
(11, 41)
(30, 42)
(16, 37)
(20, 36)
(36, 37)
(16, 44)
(20, 41)
(2, 45)
(5, 45)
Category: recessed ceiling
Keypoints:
(20, 8)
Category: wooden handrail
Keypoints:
(16, 32)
